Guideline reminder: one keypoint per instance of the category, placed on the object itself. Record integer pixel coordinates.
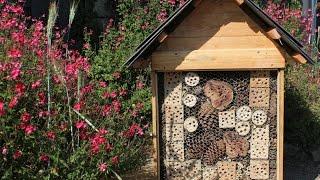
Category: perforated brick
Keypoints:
(259, 97)
(260, 79)
(227, 119)
(175, 151)
(191, 124)
(174, 132)
(259, 169)
(189, 100)
(227, 170)
(173, 89)
(192, 79)
(209, 173)
(174, 114)
(259, 117)
(260, 143)
(244, 113)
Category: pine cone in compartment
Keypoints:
(214, 152)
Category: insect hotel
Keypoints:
(218, 91)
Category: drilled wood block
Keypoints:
(260, 79)
(173, 89)
(244, 113)
(227, 119)
(243, 128)
(191, 79)
(175, 170)
(227, 170)
(259, 97)
(190, 100)
(191, 124)
(260, 143)
(174, 114)
(209, 172)
(259, 117)
(259, 169)
(174, 132)
(175, 151)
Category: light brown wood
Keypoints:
(155, 127)
(217, 18)
(162, 37)
(274, 34)
(208, 43)
(280, 124)
(299, 58)
(226, 59)
(239, 2)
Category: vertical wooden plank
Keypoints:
(280, 124)
(155, 126)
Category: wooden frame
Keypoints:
(280, 121)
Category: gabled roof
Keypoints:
(145, 49)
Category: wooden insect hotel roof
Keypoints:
(220, 35)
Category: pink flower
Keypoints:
(19, 88)
(25, 117)
(18, 37)
(13, 102)
(16, 70)
(78, 106)
(123, 92)
(4, 150)
(14, 53)
(115, 160)
(44, 158)
(86, 46)
(113, 94)
(2, 111)
(102, 167)
(103, 84)
(36, 84)
(51, 135)
(106, 110)
(29, 129)
(17, 154)
(81, 125)
(116, 105)
(42, 98)
(139, 85)
(133, 130)
(103, 131)
(162, 16)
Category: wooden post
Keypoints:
(280, 124)
(155, 126)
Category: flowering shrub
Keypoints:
(59, 118)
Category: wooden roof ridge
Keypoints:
(286, 40)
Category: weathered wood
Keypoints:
(227, 59)
(155, 127)
(208, 43)
(273, 33)
(280, 123)
(299, 58)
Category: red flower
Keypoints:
(51, 135)
(78, 106)
(17, 154)
(19, 88)
(44, 158)
(18, 37)
(115, 160)
(13, 102)
(42, 98)
(2, 111)
(25, 117)
(81, 125)
(116, 105)
(14, 53)
(106, 110)
(134, 129)
(103, 84)
(29, 129)
(113, 94)
(102, 167)
(16, 70)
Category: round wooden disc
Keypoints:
(191, 124)
(192, 79)
(259, 117)
(244, 113)
(190, 100)
(243, 128)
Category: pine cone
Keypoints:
(214, 152)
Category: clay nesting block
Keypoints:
(174, 114)
(175, 151)
(259, 97)
(260, 79)
(209, 172)
(173, 89)
(227, 170)
(174, 132)
(260, 143)
(191, 79)
(227, 119)
(259, 169)
(220, 93)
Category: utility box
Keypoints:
(218, 91)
